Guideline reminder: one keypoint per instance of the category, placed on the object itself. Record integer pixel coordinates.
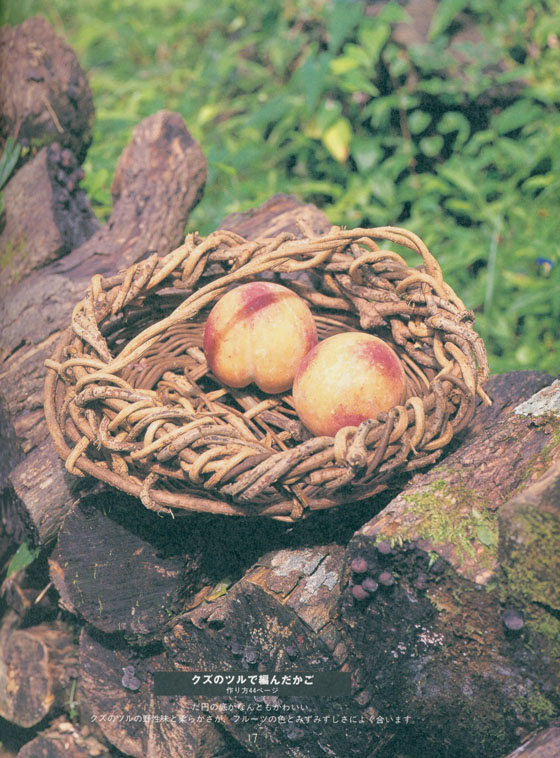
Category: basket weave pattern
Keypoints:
(129, 398)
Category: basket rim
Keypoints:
(281, 254)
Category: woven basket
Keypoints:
(129, 398)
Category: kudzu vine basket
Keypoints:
(129, 398)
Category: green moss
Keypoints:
(540, 621)
(14, 249)
(453, 513)
(488, 728)
(537, 705)
(532, 564)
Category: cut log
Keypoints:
(280, 619)
(63, 740)
(116, 692)
(39, 494)
(44, 93)
(46, 214)
(121, 567)
(158, 180)
(38, 664)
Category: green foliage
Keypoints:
(22, 558)
(459, 141)
(7, 164)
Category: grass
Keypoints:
(317, 99)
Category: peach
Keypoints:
(258, 332)
(346, 379)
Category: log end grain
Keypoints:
(120, 567)
(37, 664)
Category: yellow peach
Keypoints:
(258, 332)
(346, 379)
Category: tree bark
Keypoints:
(545, 744)
(467, 634)
(46, 214)
(44, 92)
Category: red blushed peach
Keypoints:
(258, 332)
(345, 380)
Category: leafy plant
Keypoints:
(23, 557)
(452, 136)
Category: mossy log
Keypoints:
(37, 665)
(463, 627)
